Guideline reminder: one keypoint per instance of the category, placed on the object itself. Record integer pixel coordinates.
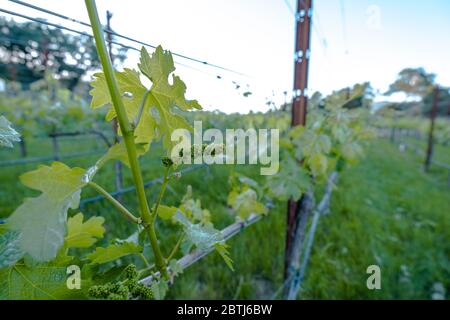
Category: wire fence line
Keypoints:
(85, 24)
(415, 134)
(55, 136)
(147, 184)
(120, 44)
(7, 163)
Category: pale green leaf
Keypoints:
(290, 182)
(159, 289)
(119, 152)
(10, 251)
(158, 66)
(351, 152)
(222, 249)
(246, 203)
(83, 234)
(41, 221)
(318, 164)
(175, 267)
(192, 208)
(58, 181)
(100, 91)
(38, 283)
(204, 237)
(166, 212)
(113, 252)
(132, 91)
(165, 96)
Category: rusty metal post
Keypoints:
(433, 114)
(117, 164)
(299, 103)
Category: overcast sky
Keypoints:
(352, 41)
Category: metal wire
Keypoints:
(50, 12)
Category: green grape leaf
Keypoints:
(119, 152)
(159, 289)
(83, 234)
(192, 208)
(100, 91)
(204, 237)
(246, 203)
(40, 282)
(308, 143)
(158, 66)
(113, 252)
(222, 249)
(166, 212)
(42, 224)
(128, 81)
(133, 92)
(175, 267)
(58, 181)
(318, 164)
(41, 221)
(323, 143)
(290, 182)
(7, 133)
(165, 96)
(351, 152)
(157, 119)
(10, 251)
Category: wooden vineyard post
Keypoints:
(117, 164)
(55, 147)
(297, 211)
(433, 114)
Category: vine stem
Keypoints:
(141, 109)
(161, 193)
(128, 134)
(175, 249)
(144, 259)
(124, 211)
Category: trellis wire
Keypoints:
(191, 258)
(55, 156)
(416, 149)
(319, 210)
(147, 184)
(6, 163)
(50, 12)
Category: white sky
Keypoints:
(256, 37)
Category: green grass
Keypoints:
(386, 211)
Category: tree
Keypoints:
(29, 49)
(443, 105)
(413, 82)
(360, 95)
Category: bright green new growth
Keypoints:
(41, 221)
(83, 234)
(152, 108)
(243, 197)
(39, 227)
(113, 252)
